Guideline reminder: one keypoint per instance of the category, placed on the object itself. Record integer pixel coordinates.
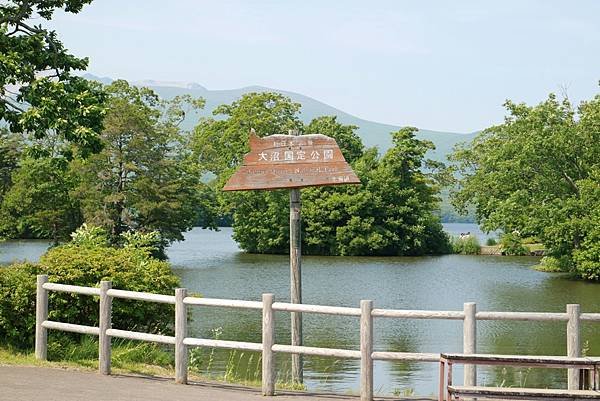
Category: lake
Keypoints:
(211, 264)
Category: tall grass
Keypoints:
(124, 353)
(154, 359)
(240, 367)
(468, 245)
(491, 242)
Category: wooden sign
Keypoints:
(288, 161)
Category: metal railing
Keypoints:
(469, 315)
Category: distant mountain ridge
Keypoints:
(372, 133)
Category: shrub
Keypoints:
(468, 245)
(491, 242)
(86, 264)
(89, 237)
(555, 264)
(530, 240)
(512, 245)
(17, 304)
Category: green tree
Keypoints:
(220, 144)
(390, 214)
(144, 179)
(39, 92)
(39, 205)
(535, 173)
(349, 142)
(10, 149)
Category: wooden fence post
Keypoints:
(366, 350)
(268, 339)
(41, 315)
(573, 342)
(104, 324)
(181, 354)
(470, 341)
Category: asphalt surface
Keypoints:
(21, 383)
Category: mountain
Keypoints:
(372, 133)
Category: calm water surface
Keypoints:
(210, 263)
(22, 250)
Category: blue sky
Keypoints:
(443, 65)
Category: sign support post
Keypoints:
(292, 162)
(296, 276)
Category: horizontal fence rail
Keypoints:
(469, 315)
(74, 289)
(523, 316)
(141, 296)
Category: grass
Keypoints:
(129, 357)
(535, 247)
(468, 245)
(403, 392)
(491, 242)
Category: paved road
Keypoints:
(20, 383)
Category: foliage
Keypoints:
(85, 264)
(124, 353)
(40, 93)
(10, 145)
(39, 204)
(512, 245)
(261, 220)
(209, 208)
(143, 241)
(491, 242)
(468, 245)
(89, 237)
(389, 214)
(220, 144)
(17, 304)
(144, 179)
(538, 173)
(530, 240)
(345, 136)
(553, 264)
(587, 257)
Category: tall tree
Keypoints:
(38, 204)
(345, 135)
(390, 214)
(10, 149)
(144, 178)
(38, 91)
(220, 144)
(529, 173)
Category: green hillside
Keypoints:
(372, 133)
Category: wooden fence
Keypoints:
(366, 313)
